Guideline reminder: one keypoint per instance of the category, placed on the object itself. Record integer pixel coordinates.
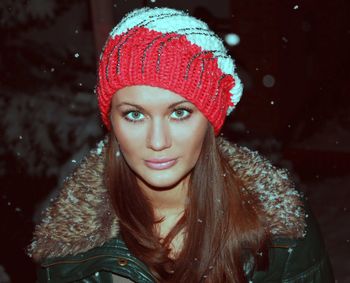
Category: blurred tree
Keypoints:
(48, 109)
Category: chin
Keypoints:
(165, 182)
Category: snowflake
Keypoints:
(232, 39)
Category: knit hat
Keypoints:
(169, 49)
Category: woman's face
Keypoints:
(160, 134)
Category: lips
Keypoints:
(160, 164)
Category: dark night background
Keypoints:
(293, 57)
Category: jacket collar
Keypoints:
(82, 216)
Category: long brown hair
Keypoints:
(220, 223)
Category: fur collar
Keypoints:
(82, 216)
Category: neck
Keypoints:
(170, 201)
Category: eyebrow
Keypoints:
(140, 107)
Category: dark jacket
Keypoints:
(78, 239)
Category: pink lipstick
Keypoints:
(160, 164)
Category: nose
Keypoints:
(158, 136)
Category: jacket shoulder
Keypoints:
(309, 261)
(95, 265)
(298, 260)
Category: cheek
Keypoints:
(191, 142)
(129, 140)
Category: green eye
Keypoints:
(180, 114)
(134, 116)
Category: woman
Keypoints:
(163, 198)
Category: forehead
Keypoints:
(143, 95)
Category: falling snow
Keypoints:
(99, 147)
(232, 39)
(322, 191)
(268, 81)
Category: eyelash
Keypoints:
(127, 112)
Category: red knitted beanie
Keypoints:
(143, 56)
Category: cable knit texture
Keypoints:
(82, 216)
